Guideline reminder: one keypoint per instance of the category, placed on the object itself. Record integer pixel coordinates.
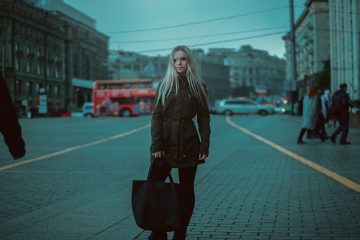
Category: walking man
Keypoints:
(9, 124)
(340, 108)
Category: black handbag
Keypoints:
(156, 205)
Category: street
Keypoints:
(257, 183)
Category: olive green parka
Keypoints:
(173, 129)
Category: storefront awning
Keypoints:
(76, 82)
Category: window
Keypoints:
(18, 87)
(232, 102)
(123, 100)
(17, 64)
(38, 51)
(38, 69)
(48, 70)
(28, 67)
(27, 88)
(239, 102)
(49, 90)
(56, 72)
(37, 87)
(57, 91)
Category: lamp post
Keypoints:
(293, 55)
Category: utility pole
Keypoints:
(293, 56)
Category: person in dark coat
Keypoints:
(181, 97)
(9, 124)
(340, 105)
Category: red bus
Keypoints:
(130, 97)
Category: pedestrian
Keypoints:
(309, 113)
(340, 106)
(320, 130)
(325, 105)
(9, 124)
(181, 96)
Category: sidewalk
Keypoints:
(246, 189)
(259, 193)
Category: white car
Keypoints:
(88, 109)
(230, 106)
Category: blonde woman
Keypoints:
(181, 96)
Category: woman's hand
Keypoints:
(158, 154)
(202, 157)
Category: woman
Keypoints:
(175, 142)
(309, 113)
(320, 130)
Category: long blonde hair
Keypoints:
(171, 79)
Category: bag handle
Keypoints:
(169, 175)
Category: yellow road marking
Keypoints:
(71, 149)
(343, 180)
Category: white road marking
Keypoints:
(71, 149)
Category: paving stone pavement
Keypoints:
(246, 190)
(260, 193)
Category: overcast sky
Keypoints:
(208, 23)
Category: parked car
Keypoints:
(88, 109)
(230, 106)
(355, 106)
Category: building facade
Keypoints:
(131, 65)
(33, 53)
(312, 45)
(290, 83)
(345, 45)
(42, 49)
(215, 74)
(253, 70)
(87, 48)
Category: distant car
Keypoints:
(230, 106)
(88, 109)
(280, 110)
(355, 106)
(277, 107)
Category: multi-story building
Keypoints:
(48, 46)
(33, 53)
(312, 44)
(131, 65)
(345, 45)
(252, 70)
(212, 70)
(87, 48)
(290, 83)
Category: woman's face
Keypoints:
(180, 62)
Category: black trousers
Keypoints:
(187, 194)
(320, 127)
(344, 119)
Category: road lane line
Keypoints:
(343, 180)
(71, 149)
